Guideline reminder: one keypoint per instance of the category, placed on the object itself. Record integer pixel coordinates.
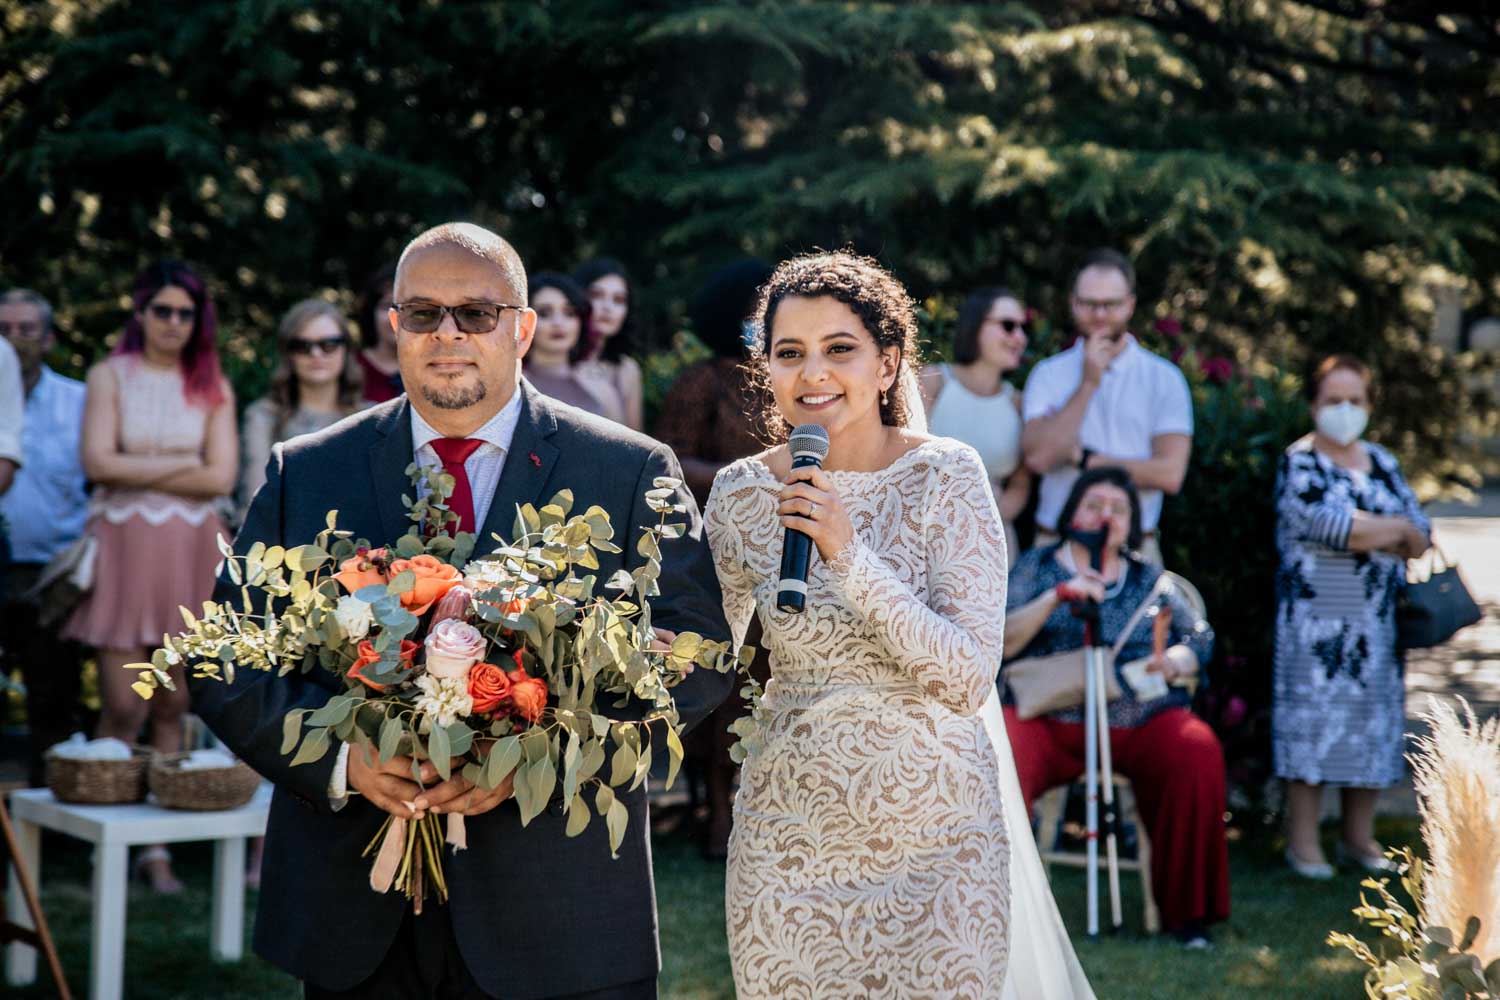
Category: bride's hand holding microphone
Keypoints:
(810, 504)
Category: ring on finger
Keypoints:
(812, 507)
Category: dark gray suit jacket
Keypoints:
(536, 914)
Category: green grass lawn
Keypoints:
(1272, 946)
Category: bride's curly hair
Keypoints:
(879, 300)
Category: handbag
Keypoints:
(1431, 610)
(1040, 685)
(64, 581)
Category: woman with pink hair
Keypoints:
(159, 445)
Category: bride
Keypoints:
(870, 853)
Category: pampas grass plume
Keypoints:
(1456, 771)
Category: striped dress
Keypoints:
(1338, 704)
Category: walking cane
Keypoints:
(1098, 760)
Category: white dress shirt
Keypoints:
(1140, 397)
(48, 503)
(483, 469)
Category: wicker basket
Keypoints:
(201, 790)
(99, 782)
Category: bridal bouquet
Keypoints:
(512, 665)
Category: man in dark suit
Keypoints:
(531, 913)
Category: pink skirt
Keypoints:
(144, 572)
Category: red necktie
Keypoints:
(454, 452)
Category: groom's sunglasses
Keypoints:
(471, 317)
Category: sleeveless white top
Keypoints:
(991, 425)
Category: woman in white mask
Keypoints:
(1346, 524)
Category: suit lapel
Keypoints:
(528, 468)
(390, 456)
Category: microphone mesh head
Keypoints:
(809, 439)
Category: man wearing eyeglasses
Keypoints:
(1106, 401)
(588, 928)
(45, 511)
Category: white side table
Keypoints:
(113, 830)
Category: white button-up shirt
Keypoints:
(47, 504)
(484, 465)
(1140, 397)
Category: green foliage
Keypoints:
(1295, 176)
(1421, 961)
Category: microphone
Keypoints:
(809, 446)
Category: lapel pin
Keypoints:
(535, 460)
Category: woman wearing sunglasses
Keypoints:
(318, 380)
(970, 399)
(159, 446)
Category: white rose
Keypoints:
(354, 616)
(453, 646)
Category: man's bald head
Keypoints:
(474, 240)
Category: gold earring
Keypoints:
(885, 397)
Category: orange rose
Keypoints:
(488, 686)
(368, 657)
(528, 696)
(362, 570)
(434, 579)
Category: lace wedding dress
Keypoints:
(870, 854)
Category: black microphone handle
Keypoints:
(796, 553)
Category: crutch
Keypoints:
(1097, 756)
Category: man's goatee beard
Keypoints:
(454, 399)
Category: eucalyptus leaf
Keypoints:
(622, 765)
(578, 817)
(616, 819)
(390, 738)
(314, 746)
(674, 754)
(440, 752)
(503, 758)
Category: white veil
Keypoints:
(1043, 965)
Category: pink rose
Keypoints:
(453, 646)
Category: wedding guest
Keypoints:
(317, 382)
(1346, 524)
(1173, 759)
(611, 334)
(552, 364)
(1107, 401)
(971, 400)
(377, 356)
(45, 511)
(159, 444)
(12, 415)
(707, 422)
(705, 419)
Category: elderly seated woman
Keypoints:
(1172, 758)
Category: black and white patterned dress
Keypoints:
(1338, 708)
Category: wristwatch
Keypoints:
(1084, 456)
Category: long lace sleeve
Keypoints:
(735, 580)
(952, 645)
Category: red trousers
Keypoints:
(1176, 766)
